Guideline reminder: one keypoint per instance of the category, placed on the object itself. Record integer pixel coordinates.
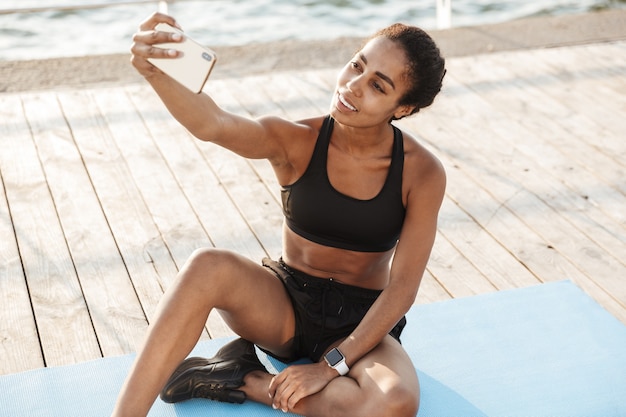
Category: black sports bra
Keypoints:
(318, 212)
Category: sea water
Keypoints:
(237, 22)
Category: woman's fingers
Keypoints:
(280, 392)
(146, 44)
(147, 40)
(297, 382)
(156, 18)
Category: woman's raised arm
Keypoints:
(198, 113)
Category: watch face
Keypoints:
(334, 357)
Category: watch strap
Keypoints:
(342, 368)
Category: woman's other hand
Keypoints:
(297, 382)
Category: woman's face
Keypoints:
(370, 86)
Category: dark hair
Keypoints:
(426, 65)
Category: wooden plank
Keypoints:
(19, 343)
(114, 308)
(257, 204)
(598, 200)
(253, 95)
(283, 100)
(533, 251)
(489, 256)
(592, 88)
(147, 260)
(289, 93)
(252, 98)
(588, 88)
(611, 56)
(253, 199)
(318, 90)
(493, 263)
(275, 94)
(64, 325)
(262, 168)
(208, 197)
(206, 193)
(540, 167)
(167, 207)
(589, 80)
(456, 274)
(582, 98)
(431, 291)
(484, 164)
(561, 130)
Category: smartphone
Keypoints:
(193, 68)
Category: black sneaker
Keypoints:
(188, 363)
(216, 378)
(230, 350)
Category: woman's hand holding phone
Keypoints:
(146, 43)
(160, 43)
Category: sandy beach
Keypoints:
(288, 55)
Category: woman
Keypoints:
(360, 200)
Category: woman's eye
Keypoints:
(378, 87)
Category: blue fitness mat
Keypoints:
(547, 350)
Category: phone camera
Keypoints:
(207, 56)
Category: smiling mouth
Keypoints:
(343, 101)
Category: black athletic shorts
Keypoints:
(325, 310)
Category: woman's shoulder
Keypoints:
(418, 156)
(297, 140)
(421, 166)
(283, 127)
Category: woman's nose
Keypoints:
(354, 85)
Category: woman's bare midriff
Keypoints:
(362, 269)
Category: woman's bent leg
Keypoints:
(381, 384)
(253, 302)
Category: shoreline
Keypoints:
(238, 61)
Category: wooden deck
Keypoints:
(104, 195)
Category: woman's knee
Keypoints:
(398, 401)
(208, 266)
(402, 401)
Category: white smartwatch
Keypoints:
(335, 359)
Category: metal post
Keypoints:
(444, 14)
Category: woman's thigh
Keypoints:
(251, 299)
